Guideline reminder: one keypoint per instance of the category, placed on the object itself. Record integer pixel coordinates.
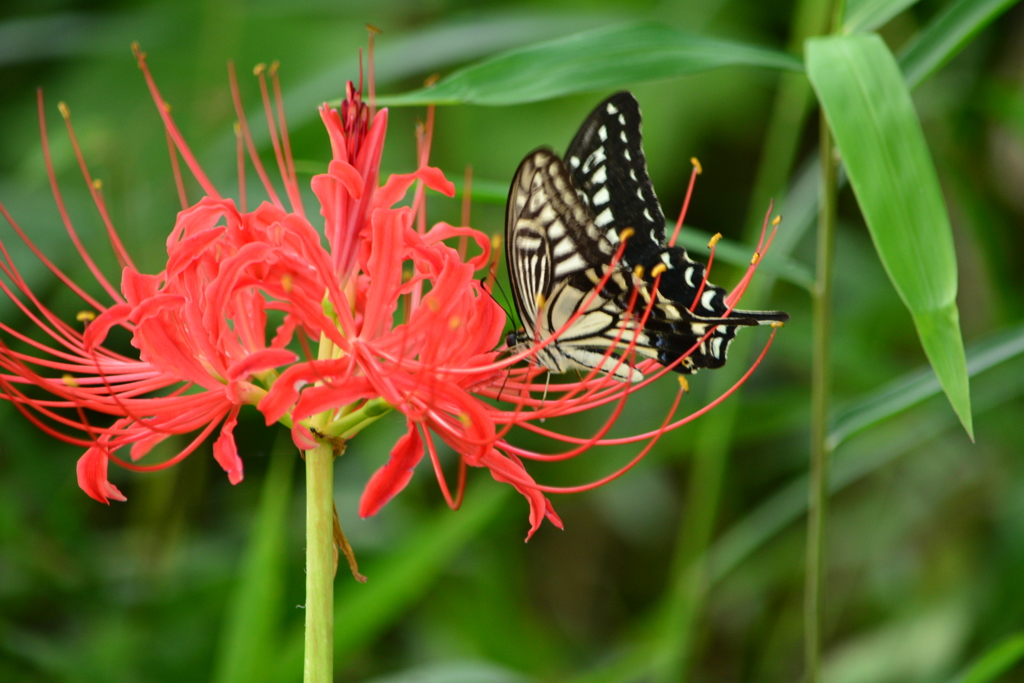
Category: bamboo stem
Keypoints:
(820, 384)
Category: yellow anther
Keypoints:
(167, 106)
(626, 233)
(64, 111)
(684, 384)
(755, 258)
(777, 323)
(431, 80)
(274, 66)
(465, 420)
(70, 381)
(97, 184)
(238, 129)
(776, 221)
(85, 316)
(714, 240)
(373, 29)
(258, 69)
(639, 272)
(495, 241)
(454, 322)
(696, 165)
(137, 51)
(432, 304)
(406, 275)
(541, 300)
(658, 269)
(286, 283)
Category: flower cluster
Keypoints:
(387, 316)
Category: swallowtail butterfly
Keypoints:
(562, 227)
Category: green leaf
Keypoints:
(995, 662)
(593, 60)
(912, 389)
(867, 15)
(249, 634)
(872, 117)
(363, 611)
(946, 35)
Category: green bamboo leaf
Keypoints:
(604, 58)
(946, 35)
(867, 15)
(872, 117)
(363, 611)
(249, 635)
(995, 662)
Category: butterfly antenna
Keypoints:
(508, 374)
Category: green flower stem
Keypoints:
(820, 380)
(351, 424)
(319, 663)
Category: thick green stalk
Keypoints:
(319, 664)
(820, 376)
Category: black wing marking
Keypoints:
(609, 169)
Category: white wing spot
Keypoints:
(604, 218)
(600, 176)
(611, 109)
(574, 162)
(563, 248)
(529, 243)
(707, 299)
(622, 136)
(632, 174)
(688, 275)
(602, 133)
(625, 153)
(556, 230)
(622, 119)
(666, 259)
(716, 347)
(601, 196)
(647, 215)
(639, 194)
(570, 265)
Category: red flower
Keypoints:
(401, 322)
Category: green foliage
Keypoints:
(193, 579)
(885, 155)
(594, 60)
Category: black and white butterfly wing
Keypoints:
(556, 257)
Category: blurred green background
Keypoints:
(193, 579)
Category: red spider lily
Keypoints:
(401, 320)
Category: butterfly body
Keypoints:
(565, 221)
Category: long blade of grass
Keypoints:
(995, 662)
(946, 35)
(593, 60)
(914, 388)
(870, 112)
(867, 15)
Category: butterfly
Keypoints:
(565, 220)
